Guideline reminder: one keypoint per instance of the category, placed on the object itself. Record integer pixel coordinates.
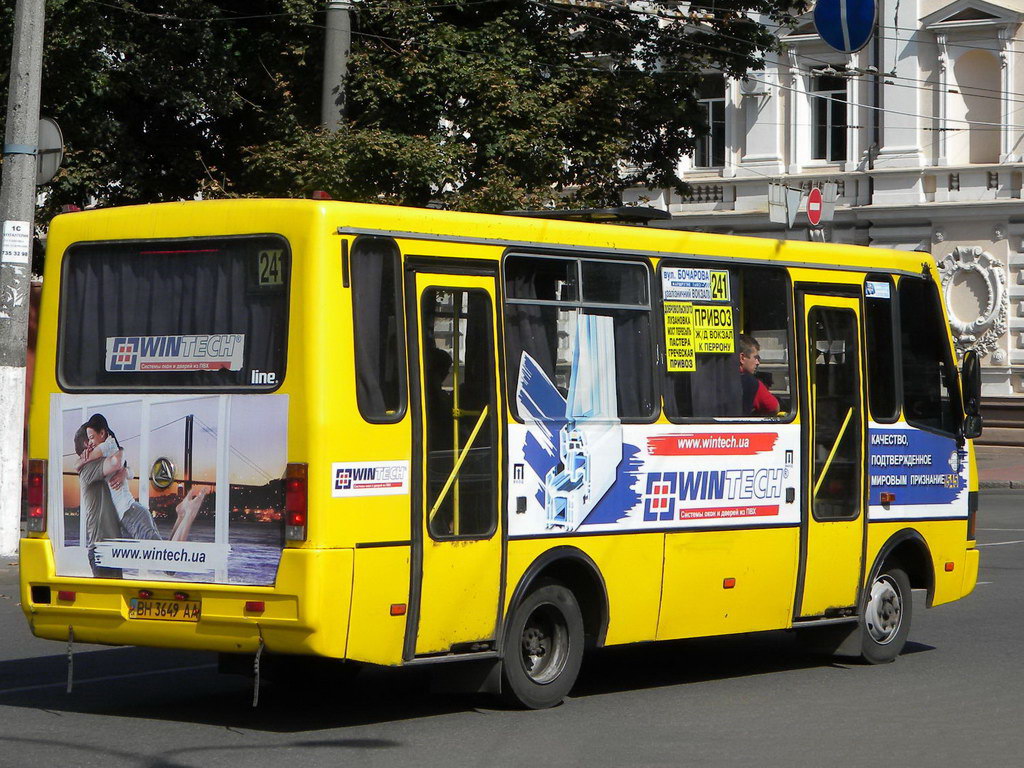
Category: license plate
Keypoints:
(164, 610)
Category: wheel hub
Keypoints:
(543, 642)
(884, 612)
(535, 642)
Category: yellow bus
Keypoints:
(398, 436)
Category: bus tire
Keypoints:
(885, 617)
(544, 649)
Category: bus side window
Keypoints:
(880, 319)
(928, 371)
(545, 299)
(712, 314)
(377, 332)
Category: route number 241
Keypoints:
(719, 285)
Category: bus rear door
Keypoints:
(456, 522)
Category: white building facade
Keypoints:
(922, 133)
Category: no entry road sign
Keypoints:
(845, 25)
(814, 206)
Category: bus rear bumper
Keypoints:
(305, 612)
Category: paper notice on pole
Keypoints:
(679, 352)
(17, 242)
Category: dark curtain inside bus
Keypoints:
(533, 328)
(634, 362)
(114, 291)
(379, 347)
(623, 283)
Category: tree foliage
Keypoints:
(157, 98)
(473, 104)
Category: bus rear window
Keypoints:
(195, 314)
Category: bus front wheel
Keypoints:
(885, 621)
(545, 647)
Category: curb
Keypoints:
(990, 484)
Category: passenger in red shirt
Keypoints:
(757, 400)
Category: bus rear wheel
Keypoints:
(544, 649)
(885, 618)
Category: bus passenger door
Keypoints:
(834, 425)
(457, 542)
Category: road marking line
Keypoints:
(106, 678)
(1000, 543)
(1001, 529)
(983, 582)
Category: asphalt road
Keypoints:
(955, 697)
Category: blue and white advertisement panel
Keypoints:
(576, 467)
(925, 474)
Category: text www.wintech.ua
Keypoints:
(159, 555)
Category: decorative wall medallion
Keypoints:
(974, 284)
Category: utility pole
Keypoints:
(337, 45)
(17, 212)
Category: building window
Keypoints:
(711, 146)
(828, 108)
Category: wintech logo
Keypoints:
(125, 355)
(370, 478)
(666, 492)
(198, 352)
(343, 479)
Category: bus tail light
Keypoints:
(35, 495)
(295, 502)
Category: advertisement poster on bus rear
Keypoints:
(168, 487)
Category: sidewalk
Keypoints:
(1000, 466)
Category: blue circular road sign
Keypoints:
(845, 25)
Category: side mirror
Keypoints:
(970, 381)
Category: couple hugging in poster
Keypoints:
(110, 510)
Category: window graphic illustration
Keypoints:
(581, 429)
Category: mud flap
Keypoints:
(476, 676)
(842, 640)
